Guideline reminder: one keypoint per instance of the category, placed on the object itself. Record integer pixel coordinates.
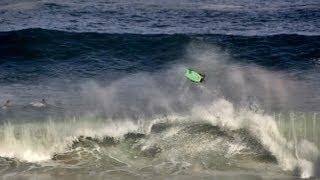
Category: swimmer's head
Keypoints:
(8, 103)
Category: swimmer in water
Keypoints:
(7, 104)
(38, 104)
(43, 101)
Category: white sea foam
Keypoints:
(222, 113)
(37, 142)
(136, 102)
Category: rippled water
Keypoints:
(118, 105)
(244, 17)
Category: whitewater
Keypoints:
(165, 120)
(119, 107)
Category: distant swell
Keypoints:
(49, 46)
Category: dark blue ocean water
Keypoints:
(112, 72)
(246, 17)
(60, 60)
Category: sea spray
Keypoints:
(35, 142)
(184, 132)
(264, 127)
(145, 118)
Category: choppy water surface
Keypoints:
(119, 107)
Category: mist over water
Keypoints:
(119, 106)
(229, 116)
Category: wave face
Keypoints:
(55, 61)
(169, 16)
(120, 107)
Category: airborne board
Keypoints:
(194, 76)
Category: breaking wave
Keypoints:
(134, 111)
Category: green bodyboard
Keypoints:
(193, 76)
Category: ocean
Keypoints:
(116, 103)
